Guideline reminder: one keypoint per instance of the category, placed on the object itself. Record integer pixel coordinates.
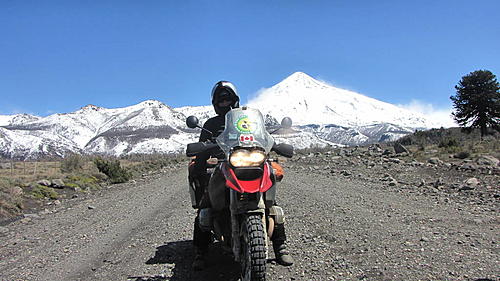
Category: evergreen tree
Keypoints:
(477, 102)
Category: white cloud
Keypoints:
(252, 98)
(440, 116)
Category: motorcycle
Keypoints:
(242, 188)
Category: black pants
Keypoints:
(201, 239)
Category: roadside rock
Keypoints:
(439, 182)
(468, 167)
(396, 160)
(435, 161)
(466, 187)
(4, 165)
(488, 160)
(57, 183)
(31, 216)
(472, 182)
(44, 182)
(345, 173)
(16, 191)
(399, 148)
(3, 230)
(387, 152)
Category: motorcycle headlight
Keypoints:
(247, 158)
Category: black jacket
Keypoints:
(216, 126)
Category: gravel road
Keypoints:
(338, 229)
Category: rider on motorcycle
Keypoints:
(224, 98)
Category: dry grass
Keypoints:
(18, 179)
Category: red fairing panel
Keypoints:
(258, 185)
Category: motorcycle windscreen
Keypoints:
(261, 184)
(245, 127)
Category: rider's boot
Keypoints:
(201, 240)
(281, 253)
(199, 259)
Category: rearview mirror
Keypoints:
(192, 122)
(286, 123)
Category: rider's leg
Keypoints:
(279, 238)
(201, 241)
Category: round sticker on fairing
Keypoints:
(244, 125)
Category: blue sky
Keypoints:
(57, 56)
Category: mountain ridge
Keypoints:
(323, 115)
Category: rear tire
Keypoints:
(253, 250)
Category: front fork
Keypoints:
(239, 210)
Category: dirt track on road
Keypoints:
(338, 229)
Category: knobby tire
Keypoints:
(255, 250)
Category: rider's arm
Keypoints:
(205, 136)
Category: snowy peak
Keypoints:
(7, 120)
(299, 80)
(91, 107)
(152, 103)
(309, 101)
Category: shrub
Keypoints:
(462, 155)
(83, 181)
(406, 140)
(112, 169)
(40, 191)
(72, 163)
(448, 142)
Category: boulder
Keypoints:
(345, 173)
(3, 230)
(399, 148)
(16, 191)
(393, 182)
(44, 182)
(472, 182)
(435, 161)
(387, 152)
(439, 182)
(488, 160)
(468, 166)
(58, 183)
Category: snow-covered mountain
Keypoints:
(309, 101)
(148, 127)
(323, 115)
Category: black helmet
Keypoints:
(221, 91)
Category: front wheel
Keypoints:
(253, 250)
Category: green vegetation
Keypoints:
(40, 192)
(443, 142)
(85, 182)
(113, 170)
(477, 102)
(72, 163)
(462, 155)
(18, 188)
(11, 201)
